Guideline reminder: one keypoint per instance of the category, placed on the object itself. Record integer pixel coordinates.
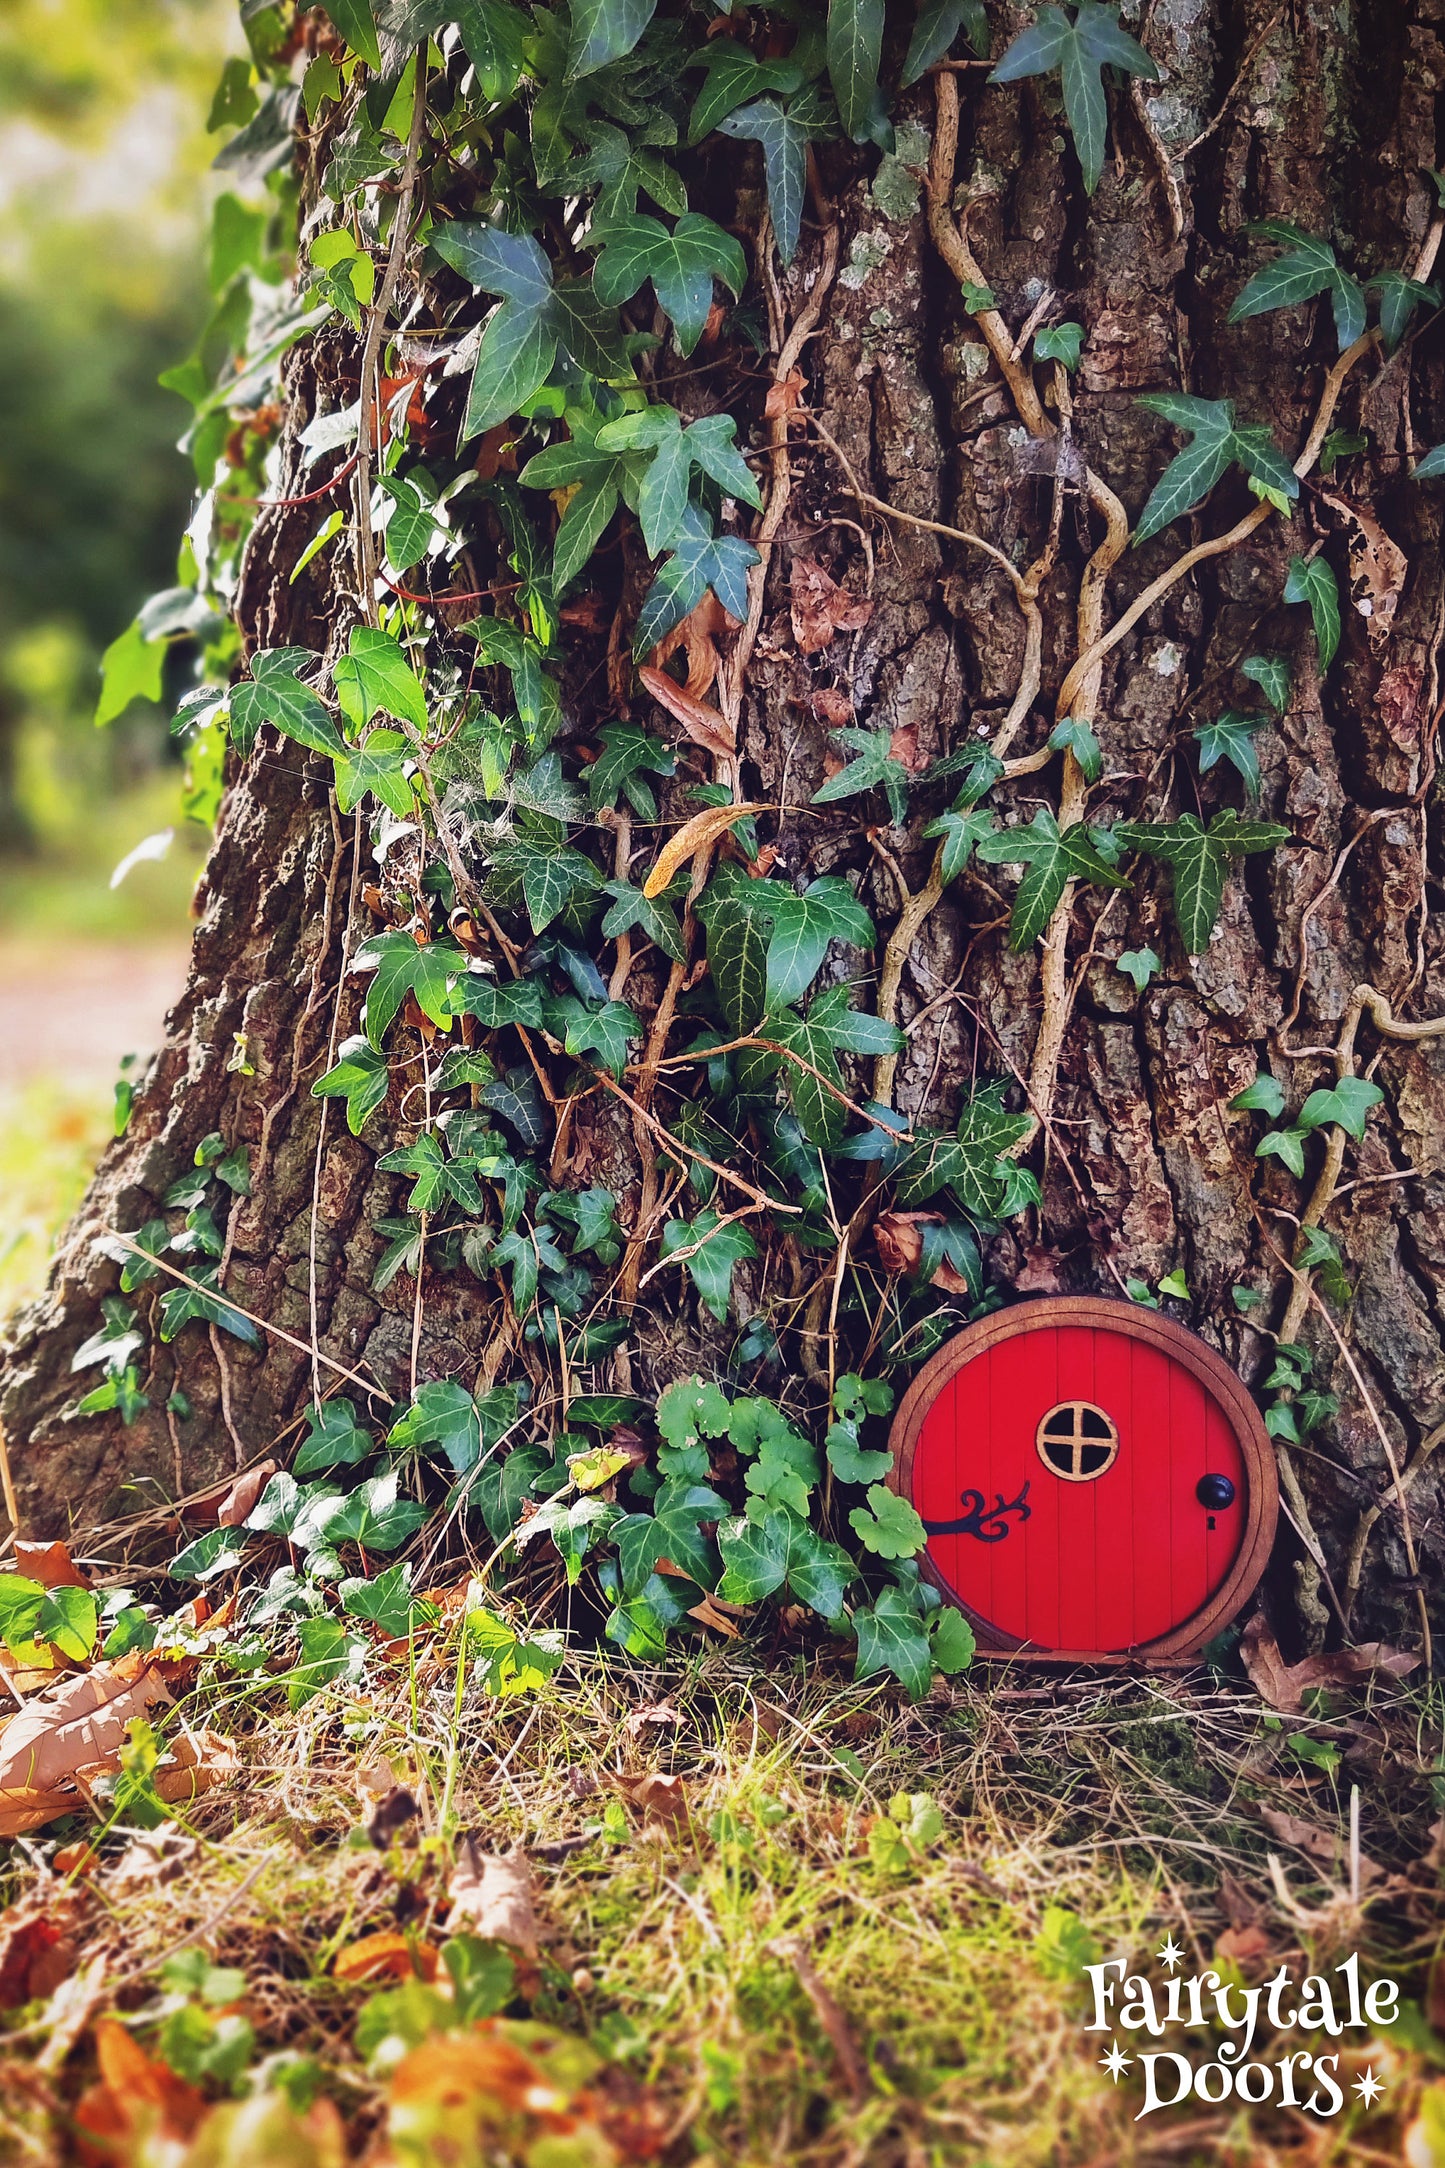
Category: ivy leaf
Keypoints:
(515, 1001)
(938, 24)
(605, 1032)
(1432, 466)
(1265, 1095)
(354, 19)
(715, 1248)
(888, 1525)
(377, 766)
(738, 939)
(1052, 856)
(217, 1551)
(784, 141)
(1077, 738)
(205, 1302)
(891, 1637)
(386, 1602)
(604, 31)
(1139, 965)
(1059, 342)
(360, 1077)
(1080, 51)
(681, 265)
(1400, 296)
(116, 1341)
(276, 695)
(436, 1178)
(400, 968)
(951, 1640)
(1348, 1103)
(131, 669)
(700, 559)
(494, 35)
(375, 1517)
(1231, 737)
(854, 49)
(960, 833)
(873, 764)
(121, 1391)
(970, 1163)
(549, 878)
(626, 751)
(1271, 674)
(803, 927)
(1198, 860)
(632, 910)
(520, 1107)
(413, 520)
(1286, 1145)
(334, 1439)
(374, 677)
(1308, 267)
(1311, 580)
(443, 1413)
(848, 1460)
(574, 1525)
(520, 342)
(760, 1556)
(1216, 444)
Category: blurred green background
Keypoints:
(104, 195)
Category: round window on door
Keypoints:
(1077, 1441)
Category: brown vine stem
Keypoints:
(366, 564)
(761, 1200)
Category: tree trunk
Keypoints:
(1319, 113)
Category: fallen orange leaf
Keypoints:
(385, 1956)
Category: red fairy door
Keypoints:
(1079, 1469)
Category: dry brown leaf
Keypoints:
(240, 1500)
(898, 1240)
(658, 1798)
(37, 1950)
(1320, 1845)
(707, 1614)
(1284, 1685)
(831, 706)
(784, 397)
(195, 1763)
(494, 1895)
(703, 724)
(696, 638)
(652, 1712)
(903, 747)
(821, 608)
(695, 835)
(76, 1726)
(1248, 1947)
(79, 1859)
(1378, 570)
(497, 451)
(158, 1855)
(134, 2095)
(50, 1564)
(386, 1957)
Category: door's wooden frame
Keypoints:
(1101, 1313)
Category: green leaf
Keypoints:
(656, 920)
(1059, 342)
(334, 1439)
(626, 751)
(888, 1525)
(401, 968)
(375, 1517)
(700, 559)
(276, 695)
(1271, 674)
(960, 833)
(1139, 965)
(604, 31)
(1051, 857)
(443, 1413)
(1080, 50)
(1266, 1095)
(521, 339)
(681, 265)
(938, 25)
(494, 35)
(374, 678)
(738, 940)
(377, 766)
(1432, 466)
(847, 1459)
(386, 1602)
(1319, 1252)
(360, 1076)
(206, 1303)
(1311, 580)
(1308, 267)
(1077, 738)
(606, 1032)
(117, 1339)
(1216, 444)
(951, 1640)
(891, 1637)
(1348, 1103)
(714, 1250)
(854, 49)
(548, 876)
(130, 669)
(803, 928)
(1231, 737)
(218, 1551)
(690, 1411)
(1286, 1145)
(873, 764)
(785, 164)
(354, 19)
(1198, 859)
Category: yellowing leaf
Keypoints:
(695, 835)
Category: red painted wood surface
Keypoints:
(1105, 1564)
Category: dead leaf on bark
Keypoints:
(494, 1896)
(898, 1239)
(386, 1957)
(821, 609)
(80, 1725)
(703, 724)
(1378, 570)
(785, 396)
(658, 1798)
(831, 706)
(696, 638)
(1284, 1685)
(50, 1564)
(693, 836)
(903, 747)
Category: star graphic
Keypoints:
(1369, 2088)
(1116, 2062)
(1169, 1953)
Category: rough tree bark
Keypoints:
(1312, 110)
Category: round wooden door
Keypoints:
(1093, 1479)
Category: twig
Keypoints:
(7, 1483)
(830, 2016)
(688, 1151)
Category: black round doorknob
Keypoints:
(1214, 1492)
